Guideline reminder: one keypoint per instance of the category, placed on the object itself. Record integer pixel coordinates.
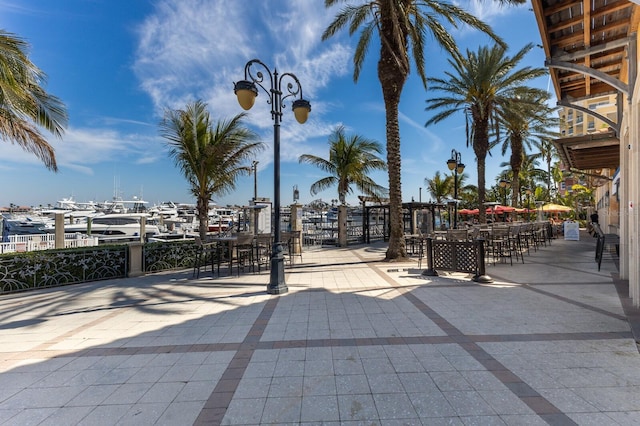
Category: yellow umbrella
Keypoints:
(555, 208)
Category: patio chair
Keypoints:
(205, 252)
(245, 253)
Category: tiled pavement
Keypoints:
(355, 341)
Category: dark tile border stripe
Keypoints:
(320, 343)
(539, 404)
(216, 406)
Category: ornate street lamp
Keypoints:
(246, 91)
(504, 184)
(528, 191)
(455, 164)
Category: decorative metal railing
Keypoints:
(49, 268)
(172, 255)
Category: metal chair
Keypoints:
(291, 245)
(204, 251)
(263, 244)
(245, 252)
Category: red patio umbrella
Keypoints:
(500, 209)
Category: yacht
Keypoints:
(115, 227)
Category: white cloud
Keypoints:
(196, 49)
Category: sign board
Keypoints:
(571, 231)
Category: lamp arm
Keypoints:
(258, 78)
(291, 89)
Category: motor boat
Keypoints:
(115, 227)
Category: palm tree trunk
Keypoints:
(392, 80)
(516, 164)
(202, 207)
(549, 178)
(396, 249)
(480, 147)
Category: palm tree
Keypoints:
(351, 159)
(25, 105)
(439, 187)
(209, 155)
(482, 85)
(402, 26)
(528, 119)
(548, 153)
(529, 174)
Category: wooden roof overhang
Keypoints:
(591, 51)
(593, 151)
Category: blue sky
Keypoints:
(118, 64)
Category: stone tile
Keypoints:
(180, 373)
(244, 411)
(318, 408)
(92, 395)
(385, 383)
(468, 403)
(141, 414)
(67, 416)
(29, 416)
(348, 366)
(128, 393)
(289, 368)
(394, 406)
(319, 385)
(450, 381)
(282, 410)
(357, 407)
(352, 384)
(180, 413)
(505, 402)
(430, 405)
(106, 414)
(35, 398)
(162, 392)
(285, 387)
(149, 374)
(253, 387)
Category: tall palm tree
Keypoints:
(401, 26)
(210, 155)
(482, 85)
(25, 105)
(351, 159)
(528, 119)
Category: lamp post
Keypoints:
(528, 191)
(455, 164)
(254, 168)
(504, 184)
(246, 90)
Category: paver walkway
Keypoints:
(355, 341)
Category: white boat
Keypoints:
(113, 227)
(24, 225)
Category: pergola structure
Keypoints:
(591, 50)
